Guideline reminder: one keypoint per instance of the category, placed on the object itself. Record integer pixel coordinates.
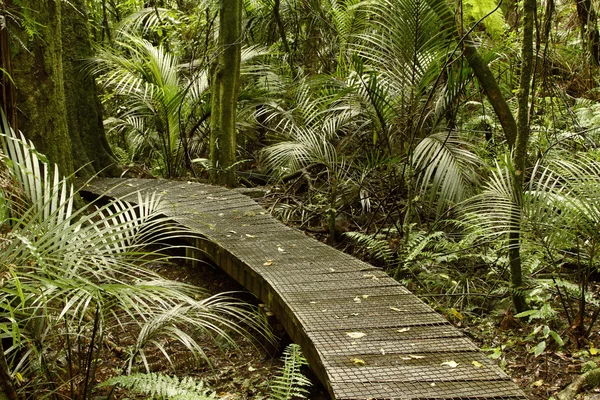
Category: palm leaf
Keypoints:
(445, 168)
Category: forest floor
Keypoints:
(540, 377)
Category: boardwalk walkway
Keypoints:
(365, 336)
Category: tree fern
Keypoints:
(160, 386)
(291, 383)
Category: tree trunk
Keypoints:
(224, 92)
(588, 23)
(520, 154)
(57, 106)
(91, 152)
(38, 76)
(7, 87)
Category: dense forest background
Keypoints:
(453, 143)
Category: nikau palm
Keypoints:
(161, 105)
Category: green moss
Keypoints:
(475, 10)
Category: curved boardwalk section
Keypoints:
(365, 335)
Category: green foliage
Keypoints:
(23, 16)
(587, 112)
(159, 101)
(71, 277)
(161, 387)
(445, 169)
(588, 366)
(291, 383)
(542, 331)
(476, 10)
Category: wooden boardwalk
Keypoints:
(365, 335)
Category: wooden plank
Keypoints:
(467, 390)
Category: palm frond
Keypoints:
(304, 148)
(404, 43)
(50, 197)
(445, 168)
(497, 209)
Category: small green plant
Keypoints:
(161, 386)
(291, 383)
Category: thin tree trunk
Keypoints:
(224, 92)
(588, 23)
(520, 154)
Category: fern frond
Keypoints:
(291, 383)
(417, 245)
(379, 248)
(160, 386)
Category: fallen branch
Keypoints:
(590, 378)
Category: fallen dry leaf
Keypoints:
(356, 335)
(397, 309)
(451, 364)
(358, 361)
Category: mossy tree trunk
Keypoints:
(7, 87)
(57, 105)
(520, 153)
(89, 147)
(38, 77)
(224, 92)
(481, 70)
